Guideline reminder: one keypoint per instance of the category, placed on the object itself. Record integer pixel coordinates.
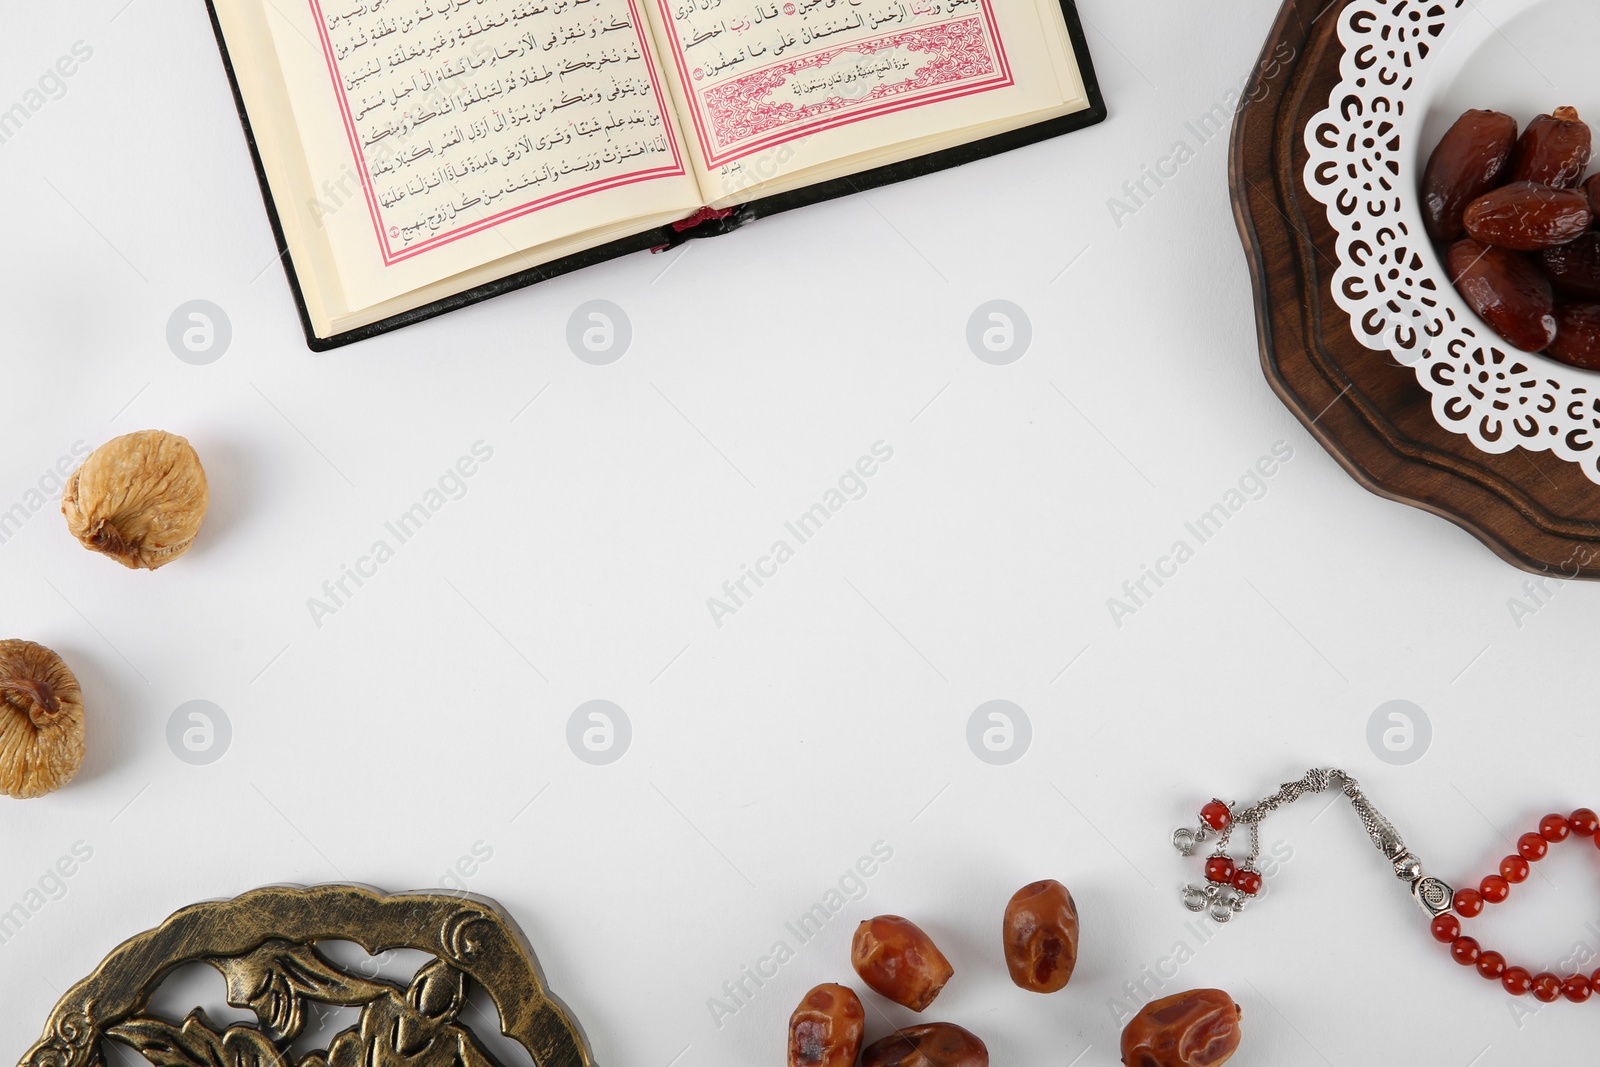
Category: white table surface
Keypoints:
(426, 718)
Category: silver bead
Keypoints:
(1407, 868)
(1433, 896)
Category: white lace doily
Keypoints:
(1391, 281)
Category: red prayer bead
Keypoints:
(1465, 950)
(1584, 822)
(1514, 869)
(1576, 988)
(1554, 828)
(1469, 903)
(1594, 980)
(1247, 882)
(1547, 987)
(1446, 928)
(1533, 847)
(1494, 889)
(1217, 816)
(1517, 981)
(1219, 869)
(1492, 966)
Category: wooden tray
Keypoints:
(1536, 511)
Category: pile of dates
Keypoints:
(1518, 220)
(898, 961)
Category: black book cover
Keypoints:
(714, 224)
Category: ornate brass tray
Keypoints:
(264, 943)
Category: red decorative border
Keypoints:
(739, 108)
(827, 115)
(390, 257)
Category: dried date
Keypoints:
(1554, 150)
(933, 1045)
(1577, 335)
(1472, 158)
(898, 961)
(825, 1030)
(1195, 1029)
(1041, 937)
(1527, 217)
(1506, 291)
(1575, 268)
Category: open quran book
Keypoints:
(420, 155)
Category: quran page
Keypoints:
(780, 93)
(460, 139)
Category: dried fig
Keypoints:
(1041, 937)
(932, 1045)
(825, 1030)
(1195, 1029)
(41, 721)
(1473, 157)
(139, 499)
(1506, 291)
(1527, 217)
(1577, 335)
(1554, 150)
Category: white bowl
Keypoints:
(1407, 75)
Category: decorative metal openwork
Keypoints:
(264, 943)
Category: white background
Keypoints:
(423, 718)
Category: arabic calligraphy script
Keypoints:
(465, 113)
(765, 70)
